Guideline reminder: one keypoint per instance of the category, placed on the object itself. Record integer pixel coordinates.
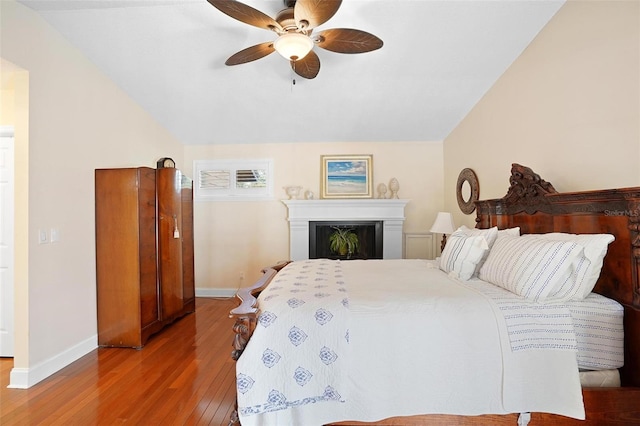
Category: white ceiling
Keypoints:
(439, 58)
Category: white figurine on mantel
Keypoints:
(308, 194)
(394, 186)
(382, 191)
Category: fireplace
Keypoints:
(390, 214)
(368, 234)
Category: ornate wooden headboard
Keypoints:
(536, 207)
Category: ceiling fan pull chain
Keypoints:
(293, 74)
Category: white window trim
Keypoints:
(233, 193)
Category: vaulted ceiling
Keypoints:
(439, 58)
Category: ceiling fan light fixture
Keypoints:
(293, 46)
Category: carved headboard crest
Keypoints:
(526, 190)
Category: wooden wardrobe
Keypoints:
(144, 252)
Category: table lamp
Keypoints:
(443, 225)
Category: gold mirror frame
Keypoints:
(468, 175)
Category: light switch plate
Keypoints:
(43, 237)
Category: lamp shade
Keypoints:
(293, 46)
(443, 224)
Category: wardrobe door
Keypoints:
(149, 308)
(168, 202)
(127, 291)
(188, 281)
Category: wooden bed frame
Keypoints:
(536, 207)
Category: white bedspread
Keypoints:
(419, 342)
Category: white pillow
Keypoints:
(509, 231)
(490, 234)
(586, 268)
(530, 266)
(462, 254)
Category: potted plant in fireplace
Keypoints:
(343, 241)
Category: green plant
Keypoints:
(344, 241)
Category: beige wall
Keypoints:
(568, 107)
(78, 121)
(244, 237)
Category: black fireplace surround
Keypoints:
(369, 236)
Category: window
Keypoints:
(239, 180)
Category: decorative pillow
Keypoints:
(465, 251)
(530, 266)
(489, 234)
(586, 268)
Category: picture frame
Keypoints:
(346, 176)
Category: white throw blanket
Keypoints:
(419, 343)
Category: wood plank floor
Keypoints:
(183, 376)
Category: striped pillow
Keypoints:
(586, 267)
(530, 266)
(462, 254)
(490, 234)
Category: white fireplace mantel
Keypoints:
(301, 212)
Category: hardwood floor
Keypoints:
(183, 376)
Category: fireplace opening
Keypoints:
(368, 233)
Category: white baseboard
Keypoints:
(216, 292)
(24, 378)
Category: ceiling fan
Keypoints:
(294, 26)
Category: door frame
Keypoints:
(7, 336)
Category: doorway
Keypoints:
(7, 337)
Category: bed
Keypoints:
(456, 380)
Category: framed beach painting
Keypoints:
(346, 176)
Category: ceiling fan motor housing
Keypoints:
(286, 20)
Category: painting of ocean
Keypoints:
(347, 177)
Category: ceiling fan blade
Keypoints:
(246, 14)
(311, 13)
(307, 67)
(251, 53)
(346, 40)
